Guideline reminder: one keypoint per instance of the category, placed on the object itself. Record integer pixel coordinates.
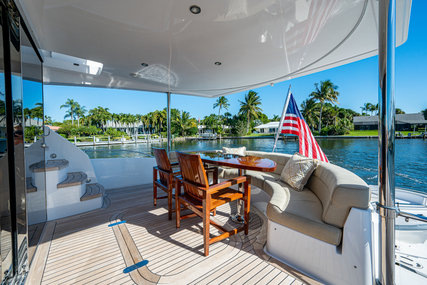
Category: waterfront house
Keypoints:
(269, 128)
(404, 122)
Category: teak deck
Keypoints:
(84, 249)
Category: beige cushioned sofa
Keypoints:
(321, 209)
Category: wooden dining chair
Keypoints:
(167, 174)
(202, 198)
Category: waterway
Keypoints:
(357, 155)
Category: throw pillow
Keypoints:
(297, 171)
(237, 151)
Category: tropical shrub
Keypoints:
(239, 129)
(114, 132)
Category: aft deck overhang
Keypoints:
(256, 42)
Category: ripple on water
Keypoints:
(357, 155)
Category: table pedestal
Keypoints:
(239, 216)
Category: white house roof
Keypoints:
(271, 125)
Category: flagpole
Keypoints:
(282, 118)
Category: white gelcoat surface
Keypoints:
(123, 172)
(79, 161)
(257, 41)
(321, 260)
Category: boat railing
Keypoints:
(408, 216)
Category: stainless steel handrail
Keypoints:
(408, 216)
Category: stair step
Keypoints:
(94, 190)
(51, 165)
(73, 179)
(30, 187)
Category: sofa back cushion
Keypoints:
(339, 190)
(279, 158)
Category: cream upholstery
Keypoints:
(300, 211)
(321, 209)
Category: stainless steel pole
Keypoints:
(386, 141)
(169, 121)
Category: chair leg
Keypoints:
(170, 202)
(214, 212)
(177, 205)
(215, 176)
(247, 203)
(154, 187)
(206, 223)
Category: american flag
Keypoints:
(295, 124)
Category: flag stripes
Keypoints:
(295, 124)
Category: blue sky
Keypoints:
(358, 84)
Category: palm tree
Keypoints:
(72, 105)
(69, 114)
(326, 93)
(48, 120)
(28, 113)
(399, 111)
(37, 112)
(249, 107)
(185, 122)
(309, 110)
(80, 112)
(100, 116)
(276, 117)
(162, 116)
(222, 102)
(369, 107)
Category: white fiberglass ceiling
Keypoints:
(258, 42)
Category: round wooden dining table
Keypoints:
(242, 163)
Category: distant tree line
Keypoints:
(320, 111)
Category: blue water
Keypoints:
(357, 155)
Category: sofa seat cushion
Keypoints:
(258, 178)
(300, 211)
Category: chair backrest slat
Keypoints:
(193, 171)
(162, 162)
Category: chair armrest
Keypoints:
(228, 183)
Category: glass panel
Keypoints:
(16, 80)
(5, 223)
(32, 88)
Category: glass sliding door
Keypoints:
(32, 89)
(20, 207)
(5, 214)
(13, 194)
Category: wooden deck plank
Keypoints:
(90, 252)
(224, 268)
(34, 235)
(278, 279)
(38, 265)
(290, 280)
(259, 275)
(270, 276)
(234, 273)
(251, 274)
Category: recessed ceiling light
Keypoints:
(218, 63)
(144, 64)
(195, 9)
